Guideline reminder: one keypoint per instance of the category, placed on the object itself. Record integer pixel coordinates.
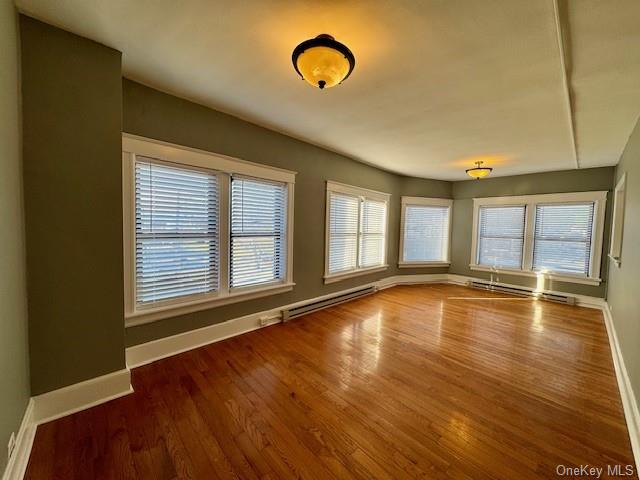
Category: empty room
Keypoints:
(319, 239)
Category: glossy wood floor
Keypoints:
(414, 382)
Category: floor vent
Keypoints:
(523, 291)
(327, 302)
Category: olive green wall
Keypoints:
(153, 114)
(624, 281)
(14, 366)
(73, 205)
(551, 182)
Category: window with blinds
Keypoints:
(176, 231)
(258, 231)
(357, 227)
(554, 235)
(373, 226)
(501, 236)
(562, 238)
(201, 229)
(426, 233)
(343, 232)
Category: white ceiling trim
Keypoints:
(565, 83)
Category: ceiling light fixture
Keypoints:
(478, 171)
(323, 61)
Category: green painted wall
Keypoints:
(624, 281)
(551, 182)
(14, 366)
(73, 204)
(150, 113)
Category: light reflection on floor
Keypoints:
(537, 323)
(366, 331)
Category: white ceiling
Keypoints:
(437, 83)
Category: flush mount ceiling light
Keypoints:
(323, 61)
(479, 171)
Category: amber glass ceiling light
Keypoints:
(323, 61)
(479, 171)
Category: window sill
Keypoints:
(337, 277)
(142, 316)
(422, 264)
(549, 276)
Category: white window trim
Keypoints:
(617, 222)
(336, 187)
(422, 201)
(224, 167)
(199, 158)
(530, 201)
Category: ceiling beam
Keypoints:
(565, 63)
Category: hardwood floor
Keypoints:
(433, 381)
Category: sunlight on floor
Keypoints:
(492, 298)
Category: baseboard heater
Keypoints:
(327, 302)
(522, 291)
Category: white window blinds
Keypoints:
(356, 232)
(562, 239)
(373, 225)
(501, 236)
(426, 233)
(258, 231)
(176, 231)
(343, 232)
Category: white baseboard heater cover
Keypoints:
(327, 302)
(523, 291)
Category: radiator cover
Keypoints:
(522, 291)
(325, 303)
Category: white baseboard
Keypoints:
(60, 403)
(145, 353)
(629, 403)
(17, 465)
(80, 396)
(455, 279)
(416, 279)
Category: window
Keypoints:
(558, 236)
(501, 236)
(356, 231)
(258, 232)
(176, 211)
(617, 227)
(562, 238)
(343, 233)
(373, 229)
(201, 230)
(425, 229)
